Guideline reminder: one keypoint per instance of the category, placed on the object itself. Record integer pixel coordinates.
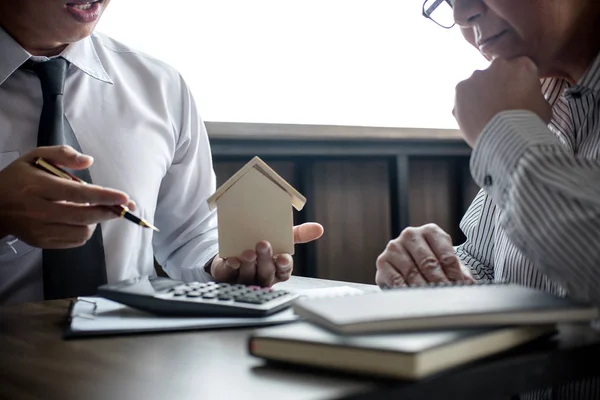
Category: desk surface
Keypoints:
(35, 362)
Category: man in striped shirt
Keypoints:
(536, 155)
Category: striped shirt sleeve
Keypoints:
(550, 198)
(478, 249)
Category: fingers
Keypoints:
(247, 272)
(254, 267)
(265, 266)
(225, 270)
(59, 236)
(440, 244)
(425, 259)
(420, 255)
(57, 189)
(399, 257)
(387, 276)
(307, 232)
(284, 266)
(63, 155)
(44, 185)
(75, 214)
(62, 236)
(131, 205)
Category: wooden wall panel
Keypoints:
(351, 198)
(470, 188)
(433, 193)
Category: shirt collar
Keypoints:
(554, 88)
(13, 55)
(81, 54)
(591, 79)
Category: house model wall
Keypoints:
(255, 204)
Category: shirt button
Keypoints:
(487, 180)
(576, 95)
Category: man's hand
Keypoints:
(259, 266)
(505, 85)
(418, 256)
(50, 212)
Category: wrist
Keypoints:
(208, 265)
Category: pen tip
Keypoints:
(148, 225)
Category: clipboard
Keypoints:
(97, 316)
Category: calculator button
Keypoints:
(194, 284)
(194, 294)
(209, 296)
(181, 288)
(179, 293)
(250, 300)
(224, 297)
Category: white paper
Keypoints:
(113, 316)
(335, 291)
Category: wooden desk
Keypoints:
(35, 362)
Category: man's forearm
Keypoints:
(550, 199)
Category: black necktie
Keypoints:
(77, 271)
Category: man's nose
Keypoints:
(466, 12)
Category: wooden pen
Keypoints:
(121, 210)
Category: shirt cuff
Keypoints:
(502, 144)
(199, 273)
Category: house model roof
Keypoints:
(256, 163)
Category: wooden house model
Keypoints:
(255, 204)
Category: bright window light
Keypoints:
(326, 62)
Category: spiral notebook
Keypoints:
(442, 307)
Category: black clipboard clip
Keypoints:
(90, 315)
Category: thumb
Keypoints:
(307, 232)
(62, 155)
(225, 270)
(467, 275)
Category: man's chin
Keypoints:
(504, 55)
(78, 33)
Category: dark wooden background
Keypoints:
(364, 187)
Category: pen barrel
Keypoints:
(121, 211)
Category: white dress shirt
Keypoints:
(137, 118)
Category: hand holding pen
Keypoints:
(47, 211)
(120, 210)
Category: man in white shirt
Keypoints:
(137, 118)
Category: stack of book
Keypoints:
(412, 333)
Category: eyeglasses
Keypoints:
(440, 12)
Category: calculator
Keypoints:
(167, 297)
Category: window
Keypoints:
(330, 62)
